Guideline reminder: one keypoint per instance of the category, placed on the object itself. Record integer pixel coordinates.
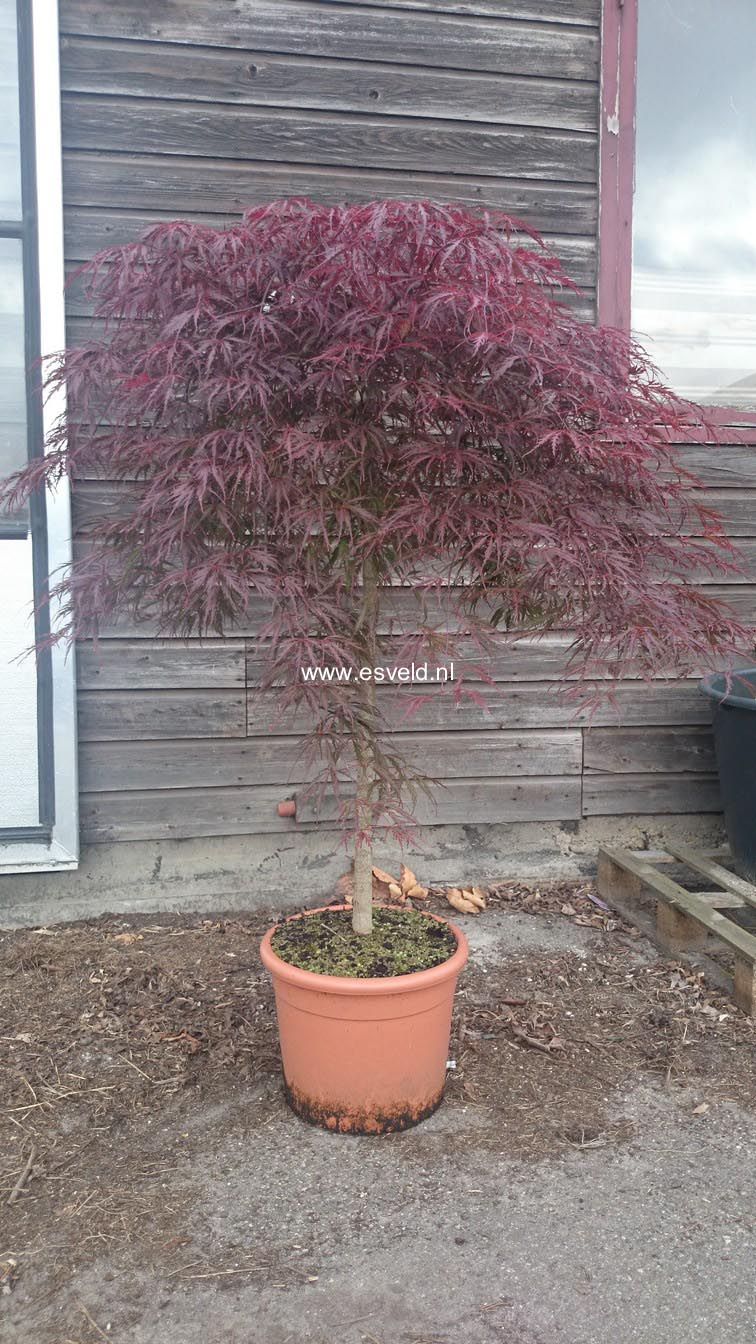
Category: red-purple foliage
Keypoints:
(318, 394)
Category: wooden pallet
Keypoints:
(686, 920)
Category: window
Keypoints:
(677, 258)
(38, 824)
(694, 231)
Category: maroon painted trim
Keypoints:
(736, 435)
(744, 421)
(619, 30)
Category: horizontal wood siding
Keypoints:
(172, 186)
(176, 814)
(200, 110)
(359, 32)
(259, 79)
(649, 795)
(113, 766)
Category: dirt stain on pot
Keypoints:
(340, 1121)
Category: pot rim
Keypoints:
(370, 985)
(726, 697)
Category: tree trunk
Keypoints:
(362, 899)
(362, 895)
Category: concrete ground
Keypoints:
(431, 1238)
(437, 1235)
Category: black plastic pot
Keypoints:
(733, 700)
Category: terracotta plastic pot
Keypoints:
(364, 1056)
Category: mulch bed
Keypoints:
(113, 1032)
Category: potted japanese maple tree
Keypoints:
(321, 408)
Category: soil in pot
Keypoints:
(402, 941)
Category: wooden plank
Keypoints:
(676, 931)
(411, 38)
(741, 598)
(208, 130)
(649, 795)
(95, 498)
(152, 665)
(508, 706)
(744, 985)
(720, 466)
(638, 751)
(529, 658)
(180, 814)
(248, 810)
(501, 801)
(538, 658)
(88, 231)
(680, 899)
(701, 863)
(582, 304)
(131, 716)
(260, 79)
(95, 502)
(171, 184)
(121, 766)
(736, 507)
(720, 900)
(586, 12)
(743, 555)
(493, 801)
(402, 609)
(614, 882)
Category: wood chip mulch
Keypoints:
(117, 1031)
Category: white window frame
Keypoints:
(61, 850)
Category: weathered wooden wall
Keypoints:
(197, 108)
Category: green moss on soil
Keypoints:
(402, 941)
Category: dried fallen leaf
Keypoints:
(702, 1109)
(407, 879)
(568, 909)
(385, 878)
(344, 887)
(475, 897)
(127, 938)
(418, 893)
(395, 892)
(458, 900)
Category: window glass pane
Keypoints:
(10, 158)
(19, 791)
(13, 444)
(19, 769)
(694, 252)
